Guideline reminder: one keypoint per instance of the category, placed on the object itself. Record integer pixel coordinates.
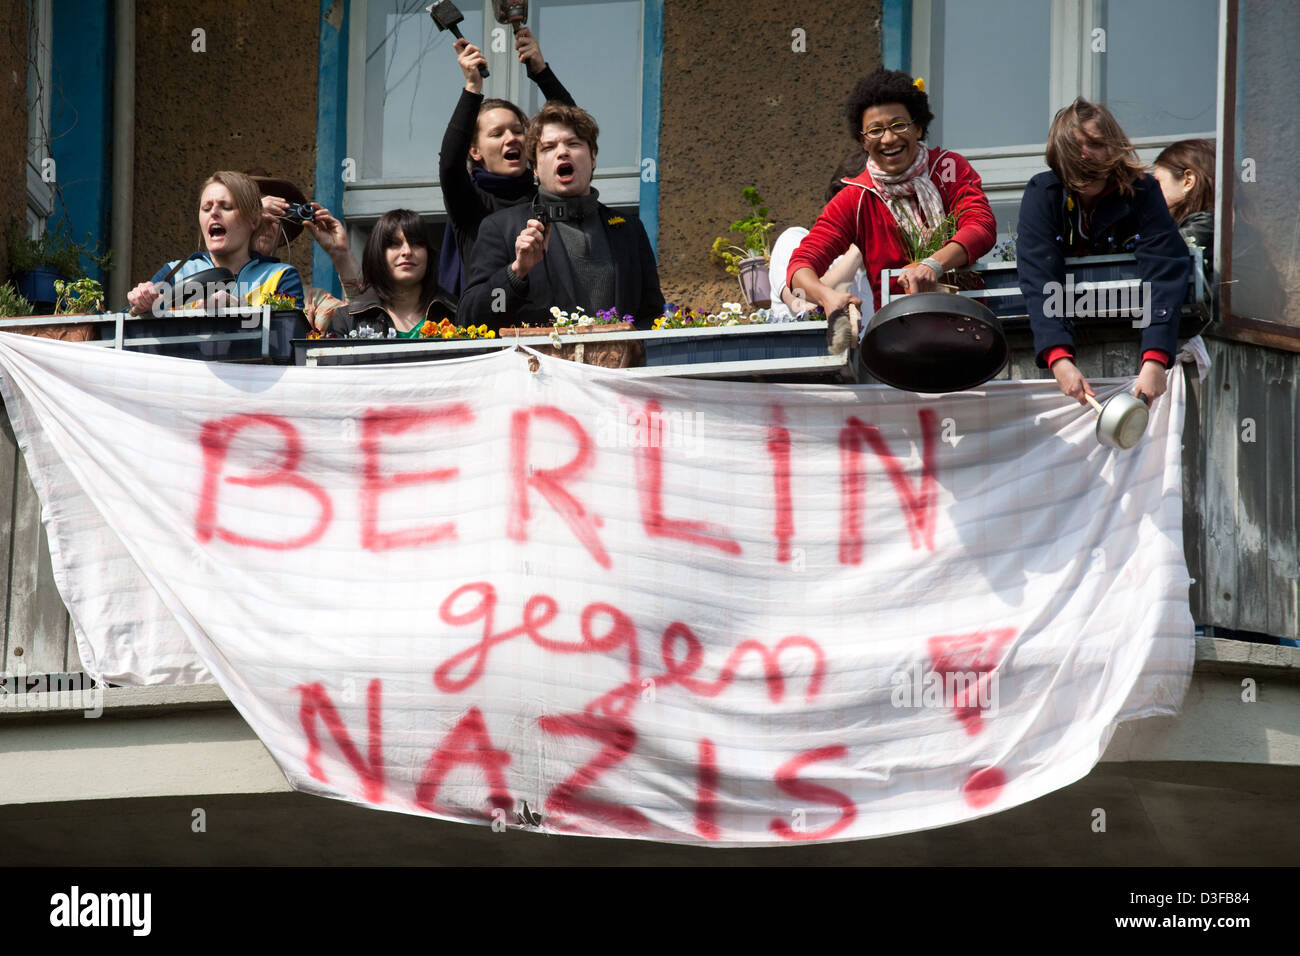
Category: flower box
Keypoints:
(602, 354)
(392, 354)
(736, 343)
(286, 326)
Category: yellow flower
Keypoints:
(483, 329)
(491, 334)
(920, 83)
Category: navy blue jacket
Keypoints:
(1139, 223)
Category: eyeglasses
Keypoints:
(898, 129)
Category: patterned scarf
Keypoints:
(906, 191)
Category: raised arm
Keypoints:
(530, 55)
(463, 205)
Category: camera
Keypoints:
(300, 212)
(549, 212)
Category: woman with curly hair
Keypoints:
(1096, 199)
(906, 187)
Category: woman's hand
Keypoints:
(1071, 380)
(330, 233)
(470, 58)
(918, 277)
(530, 54)
(143, 296)
(1152, 380)
(833, 302)
(530, 247)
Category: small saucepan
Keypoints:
(1122, 420)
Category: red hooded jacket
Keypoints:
(859, 215)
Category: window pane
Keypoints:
(411, 86)
(1158, 71)
(594, 46)
(989, 82)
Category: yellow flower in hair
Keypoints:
(920, 83)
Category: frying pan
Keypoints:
(934, 342)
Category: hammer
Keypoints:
(446, 15)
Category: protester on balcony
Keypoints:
(846, 271)
(1185, 172)
(230, 213)
(1097, 200)
(567, 251)
(399, 288)
(481, 166)
(906, 187)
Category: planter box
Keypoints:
(601, 354)
(736, 343)
(78, 332)
(286, 325)
(387, 356)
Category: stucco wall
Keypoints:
(13, 123)
(248, 100)
(1269, 136)
(741, 108)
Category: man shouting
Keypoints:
(567, 249)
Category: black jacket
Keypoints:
(1139, 223)
(466, 204)
(550, 283)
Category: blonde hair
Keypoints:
(1065, 157)
(247, 197)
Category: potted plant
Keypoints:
(603, 354)
(922, 241)
(730, 335)
(82, 297)
(36, 264)
(12, 303)
(748, 262)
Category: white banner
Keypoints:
(575, 601)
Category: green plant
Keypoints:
(83, 297)
(52, 249)
(753, 230)
(923, 241)
(279, 302)
(12, 303)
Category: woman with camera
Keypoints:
(230, 213)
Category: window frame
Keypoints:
(365, 200)
(40, 194)
(1006, 170)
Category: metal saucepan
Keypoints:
(934, 342)
(1122, 420)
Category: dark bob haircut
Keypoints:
(388, 231)
(886, 86)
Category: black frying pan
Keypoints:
(934, 342)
